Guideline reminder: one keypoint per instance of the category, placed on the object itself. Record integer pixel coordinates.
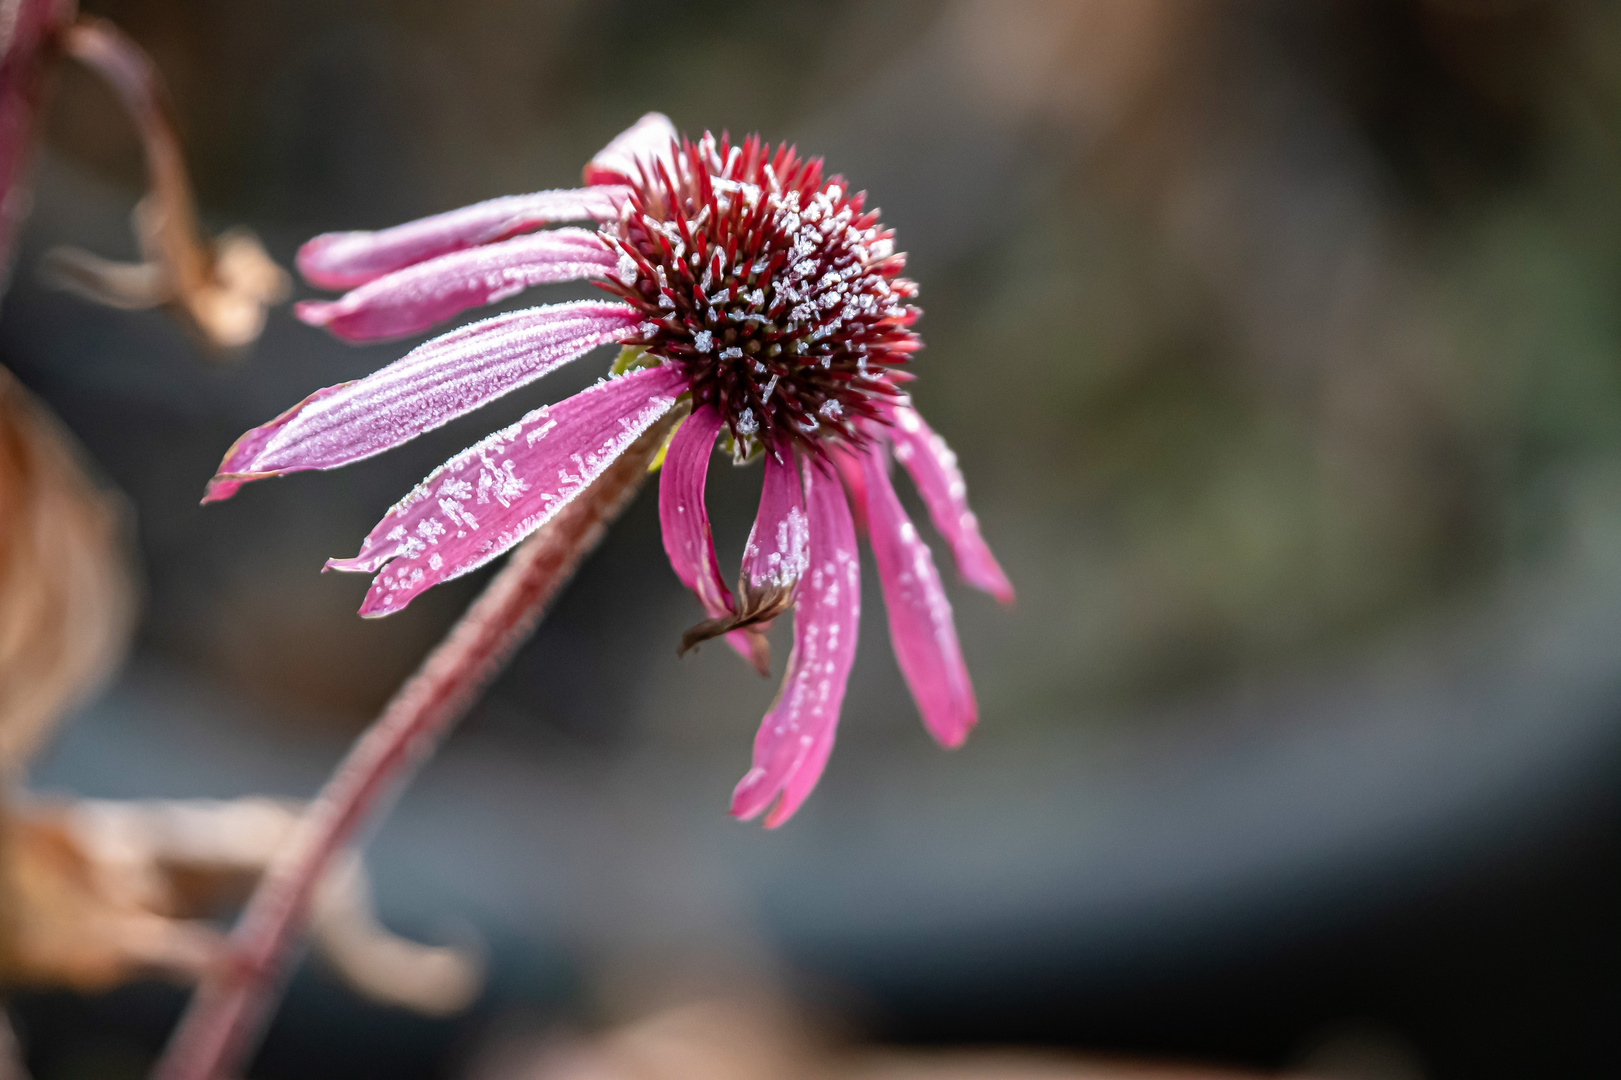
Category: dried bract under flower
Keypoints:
(749, 287)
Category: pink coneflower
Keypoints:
(748, 287)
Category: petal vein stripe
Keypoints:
(495, 493)
(921, 628)
(429, 386)
(413, 299)
(342, 260)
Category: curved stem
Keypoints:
(220, 287)
(30, 42)
(226, 1016)
(110, 53)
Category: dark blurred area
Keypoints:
(1281, 346)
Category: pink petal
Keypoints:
(775, 556)
(620, 162)
(429, 386)
(684, 520)
(796, 736)
(855, 485)
(492, 495)
(411, 300)
(920, 625)
(342, 260)
(934, 470)
(683, 516)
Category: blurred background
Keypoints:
(1281, 346)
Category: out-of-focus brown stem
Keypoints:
(30, 42)
(223, 1023)
(106, 50)
(220, 286)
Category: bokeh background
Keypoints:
(1281, 346)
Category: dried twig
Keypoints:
(220, 287)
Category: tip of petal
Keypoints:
(315, 312)
(311, 261)
(225, 484)
(221, 487)
(1001, 591)
(356, 565)
(752, 795)
(951, 729)
(749, 807)
(781, 812)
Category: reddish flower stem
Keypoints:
(227, 1014)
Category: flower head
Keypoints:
(749, 289)
(773, 289)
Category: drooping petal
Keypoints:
(683, 517)
(429, 386)
(855, 485)
(920, 625)
(796, 736)
(495, 493)
(619, 162)
(933, 468)
(342, 260)
(415, 298)
(776, 554)
(684, 521)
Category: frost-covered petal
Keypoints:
(920, 624)
(342, 260)
(933, 468)
(429, 386)
(796, 736)
(683, 516)
(648, 139)
(495, 493)
(684, 523)
(415, 298)
(776, 554)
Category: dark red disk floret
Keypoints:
(775, 290)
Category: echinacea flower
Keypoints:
(747, 287)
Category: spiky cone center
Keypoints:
(773, 288)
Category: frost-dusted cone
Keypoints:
(747, 287)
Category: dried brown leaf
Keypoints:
(97, 892)
(66, 593)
